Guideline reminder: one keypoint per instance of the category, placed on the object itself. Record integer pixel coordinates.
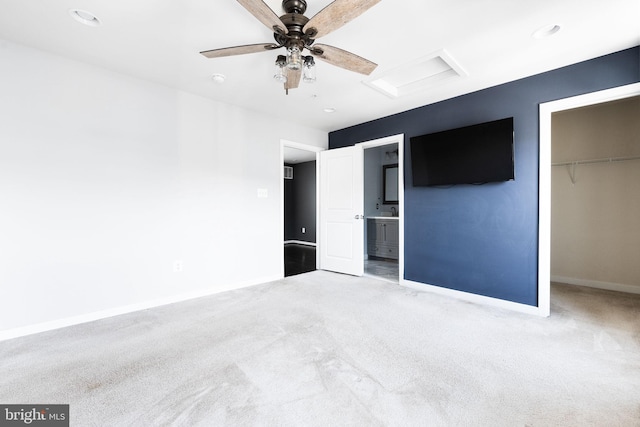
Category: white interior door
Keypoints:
(341, 210)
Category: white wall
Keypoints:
(106, 180)
(595, 226)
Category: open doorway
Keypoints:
(595, 206)
(342, 216)
(547, 110)
(383, 208)
(299, 198)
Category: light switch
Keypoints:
(263, 193)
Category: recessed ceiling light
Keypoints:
(218, 78)
(329, 110)
(546, 31)
(84, 17)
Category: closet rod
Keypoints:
(606, 160)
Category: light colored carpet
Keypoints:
(323, 349)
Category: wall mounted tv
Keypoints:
(468, 155)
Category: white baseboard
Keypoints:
(299, 242)
(116, 311)
(609, 286)
(478, 299)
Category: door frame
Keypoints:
(399, 140)
(306, 147)
(544, 201)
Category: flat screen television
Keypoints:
(468, 155)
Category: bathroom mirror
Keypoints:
(390, 184)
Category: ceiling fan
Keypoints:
(296, 32)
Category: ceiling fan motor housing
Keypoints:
(295, 21)
(294, 6)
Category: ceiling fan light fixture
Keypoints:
(309, 71)
(294, 58)
(280, 75)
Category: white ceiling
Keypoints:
(159, 40)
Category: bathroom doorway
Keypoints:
(383, 200)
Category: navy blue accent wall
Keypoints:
(483, 239)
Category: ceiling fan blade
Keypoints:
(264, 14)
(293, 79)
(335, 15)
(342, 58)
(239, 50)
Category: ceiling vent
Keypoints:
(418, 75)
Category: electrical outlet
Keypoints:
(177, 266)
(304, 230)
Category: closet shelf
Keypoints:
(571, 166)
(605, 160)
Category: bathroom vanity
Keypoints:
(383, 237)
